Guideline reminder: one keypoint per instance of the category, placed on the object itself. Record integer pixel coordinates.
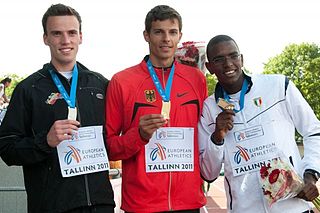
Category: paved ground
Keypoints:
(216, 199)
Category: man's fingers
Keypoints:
(60, 123)
(63, 126)
(152, 122)
(229, 125)
(61, 130)
(151, 117)
(309, 192)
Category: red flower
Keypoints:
(273, 177)
(188, 54)
(264, 172)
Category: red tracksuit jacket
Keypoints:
(131, 94)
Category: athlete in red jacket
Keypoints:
(163, 175)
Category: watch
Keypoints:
(312, 172)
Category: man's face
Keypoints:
(163, 39)
(63, 38)
(226, 62)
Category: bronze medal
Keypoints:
(225, 104)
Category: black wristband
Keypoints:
(312, 172)
(216, 143)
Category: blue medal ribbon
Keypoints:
(242, 93)
(71, 100)
(165, 94)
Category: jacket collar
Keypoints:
(146, 58)
(218, 93)
(44, 72)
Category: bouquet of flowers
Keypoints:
(192, 53)
(280, 181)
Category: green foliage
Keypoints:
(15, 79)
(301, 63)
(211, 82)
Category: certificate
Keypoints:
(251, 148)
(84, 153)
(170, 149)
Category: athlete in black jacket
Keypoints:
(36, 122)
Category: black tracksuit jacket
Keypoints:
(23, 140)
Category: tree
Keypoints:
(15, 79)
(301, 64)
(211, 82)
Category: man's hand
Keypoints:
(148, 124)
(61, 130)
(224, 123)
(310, 190)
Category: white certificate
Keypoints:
(249, 149)
(170, 149)
(84, 153)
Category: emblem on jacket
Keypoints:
(99, 96)
(150, 95)
(257, 101)
(53, 97)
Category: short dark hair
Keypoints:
(217, 39)
(59, 10)
(161, 13)
(5, 80)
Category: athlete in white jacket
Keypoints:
(267, 111)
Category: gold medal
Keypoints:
(72, 113)
(165, 111)
(225, 104)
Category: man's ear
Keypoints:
(45, 39)
(80, 34)
(180, 36)
(241, 60)
(146, 36)
(209, 68)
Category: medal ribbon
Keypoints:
(71, 100)
(165, 94)
(242, 93)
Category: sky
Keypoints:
(112, 30)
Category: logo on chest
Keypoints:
(257, 101)
(53, 97)
(150, 95)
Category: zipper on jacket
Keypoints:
(169, 194)
(170, 175)
(79, 118)
(86, 183)
(87, 190)
(85, 176)
(78, 109)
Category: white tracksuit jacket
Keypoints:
(269, 99)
